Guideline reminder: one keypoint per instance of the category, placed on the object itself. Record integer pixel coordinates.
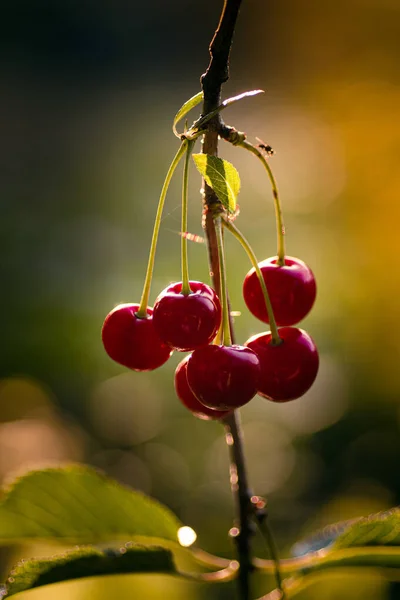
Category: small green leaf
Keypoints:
(233, 99)
(222, 176)
(78, 504)
(88, 562)
(205, 118)
(187, 107)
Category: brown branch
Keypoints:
(216, 74)
(218, 70)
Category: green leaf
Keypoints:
(78, 504)
(205, 118)
(233, 99)
(380, 529)
(201, 121)
(88, 562)
(187, 107)
(320, 539)
(222, 176)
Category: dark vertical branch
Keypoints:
(242, 494)
(218, 69)
(216, 74)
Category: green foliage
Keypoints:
(184, 109)
(222, 176)
(88, 562)
(77, 504)
(380, 529)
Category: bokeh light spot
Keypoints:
(186, 536)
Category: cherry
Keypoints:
(132, 341)
(223, 377)
(187, 397)
(291, 288)
(187, 322)
(288, 369)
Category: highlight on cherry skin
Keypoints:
(189, 400)
(132, 341)
(288, 369)
(291, 287)
(187, 321)
(223, 377)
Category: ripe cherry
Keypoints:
(187, 397)
(223, 377)
(289, 369)
(187, 322)
(132, 341)
(291, 288)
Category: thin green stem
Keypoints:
(240, 237)
(224, 295)
(286, 565)
(266, 531)
(229, 573)
(208, 560)
(142, 311)
(184, 246)
(280, 228)
(380, 557)
(384, 557)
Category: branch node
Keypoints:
(231, 135)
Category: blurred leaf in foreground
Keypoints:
(77, 504)
(88, 562)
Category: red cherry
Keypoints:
(187, 397)
(132, 341)
(291, 288)
(223, 377)
(289, 369)
(187, 322)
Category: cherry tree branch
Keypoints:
(217, 73)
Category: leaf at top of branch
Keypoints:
(184, 109)
(380, 529)
(77, 504)
(205, 118)
(87, 562)
(221, 176)
(233, 99)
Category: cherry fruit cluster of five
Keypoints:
(215, 379)
(188, 316)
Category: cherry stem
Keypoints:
(226, 326)
(184, 246)
(280, 228)
(276, 340)
(144, 301)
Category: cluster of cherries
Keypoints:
(216, 379)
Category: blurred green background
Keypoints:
(88, 92)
